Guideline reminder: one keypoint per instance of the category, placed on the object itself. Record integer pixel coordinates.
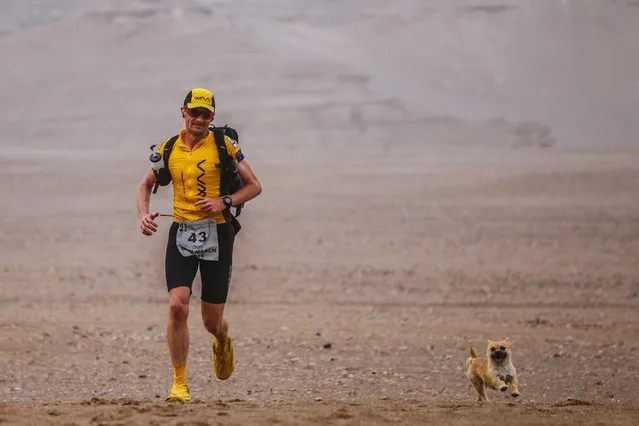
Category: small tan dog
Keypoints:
(495, 371)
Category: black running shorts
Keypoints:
(216, 275)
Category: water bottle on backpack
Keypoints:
(157, 165)
(157, 162)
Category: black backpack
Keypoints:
(230, 179)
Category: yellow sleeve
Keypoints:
(233, 148)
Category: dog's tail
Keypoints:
(473, 355)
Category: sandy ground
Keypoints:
(397, 227)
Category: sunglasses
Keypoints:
(200, 112)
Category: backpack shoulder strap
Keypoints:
(226, 162)
(168, 148)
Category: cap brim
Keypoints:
(194, 105)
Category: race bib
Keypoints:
(198, 238)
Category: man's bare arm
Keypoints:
(144, 193)
(253, 186)
(147, 223)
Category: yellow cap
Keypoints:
(200, 98)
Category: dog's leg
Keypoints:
(478, 383)
(498, 384)
(514, 387)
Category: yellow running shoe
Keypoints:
(179, 393)
(223, 359)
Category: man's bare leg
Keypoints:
(177, 332)
(223, 353)
(214, 322)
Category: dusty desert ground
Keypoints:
(436, 174)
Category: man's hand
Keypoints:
(209, 205)
(147, 223)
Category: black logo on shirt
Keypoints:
(201, 187)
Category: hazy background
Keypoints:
(121, 68)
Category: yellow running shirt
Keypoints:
(196, 173)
